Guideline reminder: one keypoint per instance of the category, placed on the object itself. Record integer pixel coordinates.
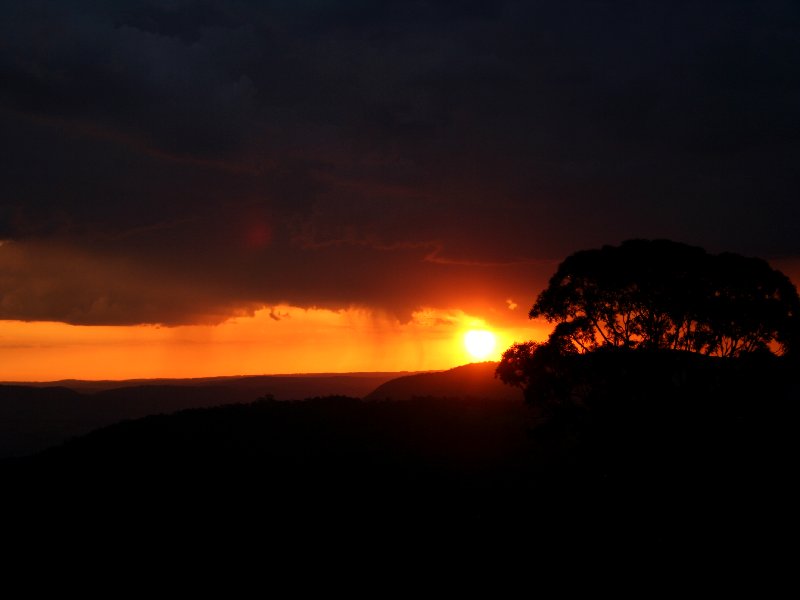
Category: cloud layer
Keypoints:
(179, 162)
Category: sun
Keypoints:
(479, 343)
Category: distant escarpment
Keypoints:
(474, 380)
(35, 416)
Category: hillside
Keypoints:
(36, 416)
(651, 467)
(474, 380)
(284, 387)
(288, 468)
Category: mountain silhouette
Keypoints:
(475, 380)
(36, 416)
(648, 465)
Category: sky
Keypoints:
(194, 188)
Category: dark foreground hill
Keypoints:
(36, 416)
(696, 461)
(286, 470)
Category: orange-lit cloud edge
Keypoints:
(281, 339)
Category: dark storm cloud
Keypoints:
(388, 154)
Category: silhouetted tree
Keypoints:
(649, 295)
(666, 295)
(539, 370)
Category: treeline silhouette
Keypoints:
(659, 294)
(664, 449)
(284, 467)
(36, 416)
(669, 382)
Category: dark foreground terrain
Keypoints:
(36, 416)
(665, 457)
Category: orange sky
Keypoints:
(274, 340)
(282, 339)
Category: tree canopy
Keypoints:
(666, 295)
(661, 367)
(650, 298)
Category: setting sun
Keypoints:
(479, 343)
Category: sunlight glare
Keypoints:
(479, 343)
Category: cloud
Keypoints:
(189, 161)
(276, 315)
(58, 282)
(49, 282)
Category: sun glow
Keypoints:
(479, 343)
(277, 339)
